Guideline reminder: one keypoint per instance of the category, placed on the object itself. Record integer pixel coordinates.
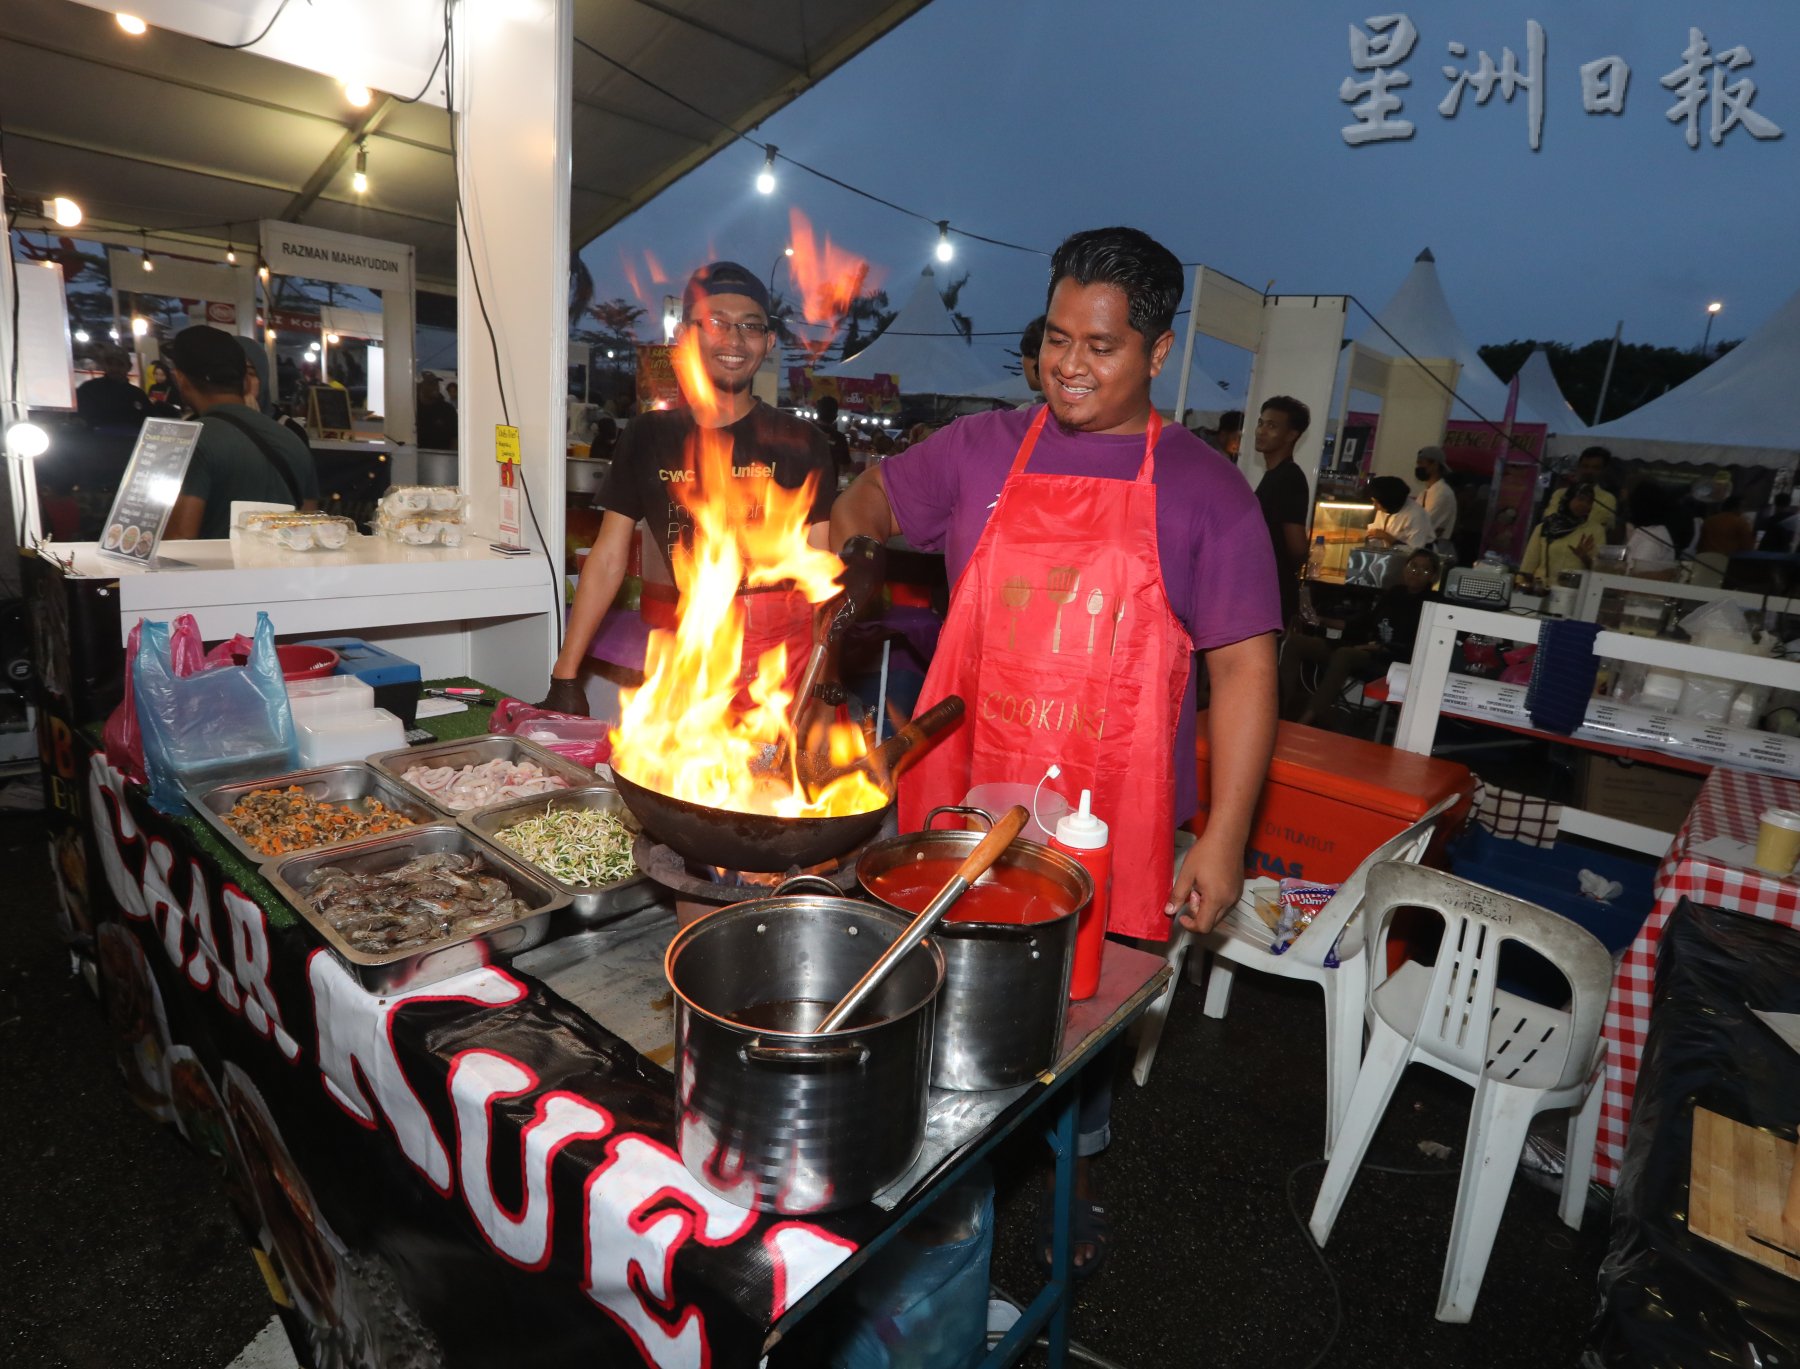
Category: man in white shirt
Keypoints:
(1436, 497)
(1400, 520)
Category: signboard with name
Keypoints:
(152, 481)
(297, 249)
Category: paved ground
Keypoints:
(117, 1248)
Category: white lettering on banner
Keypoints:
(641, 1206)
(802, 1255)
(168, 916)
(105, 796)
(250, 961)
(478, 1079)
(356, 1043)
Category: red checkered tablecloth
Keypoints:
(1728, 806)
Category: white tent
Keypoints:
(1742, 410)
(922, 348)
(1419, 319)
(1539, 392)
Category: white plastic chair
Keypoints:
(1242, 938)
(1520, 1057)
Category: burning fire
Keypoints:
(686, 733)
(829, 278)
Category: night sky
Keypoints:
(1217, 128)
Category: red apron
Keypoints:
(1061, 642)
(770, 616)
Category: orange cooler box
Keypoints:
(1329, 800)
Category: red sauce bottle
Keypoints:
(1086, 840)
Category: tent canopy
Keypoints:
(197, 143)
(923, 350)
(1539, 392)
(1744, 409)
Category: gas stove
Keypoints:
(698, 889)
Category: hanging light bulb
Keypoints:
(230, 252)
(332, 338)
(944, 250)
(144, 252)
(360, 181)
(139, 325)
(133, 25)
(27, 440)
(263, 272)
(113, 333)
(765, 179)
(268, 335)
(81, 335)
(357, 95)
(63, 210)
(147, 263)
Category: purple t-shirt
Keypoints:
(1218, 568)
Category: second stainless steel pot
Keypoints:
(771, 1115)
(1006, 987)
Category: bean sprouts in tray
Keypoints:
(580, 846)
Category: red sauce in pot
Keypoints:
(1005, 894)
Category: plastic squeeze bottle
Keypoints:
(1086, 840)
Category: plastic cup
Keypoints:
(1778, 840)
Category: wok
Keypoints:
(767, 844)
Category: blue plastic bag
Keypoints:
(220, 724)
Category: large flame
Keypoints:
(688, 731)
(829, 279)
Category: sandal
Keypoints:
(1089, 1226)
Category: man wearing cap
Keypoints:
(1437, 498)
(242, 455)
(726, 308)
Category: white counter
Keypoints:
(455, 610)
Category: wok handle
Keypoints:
(977, 863)
(851, 1053)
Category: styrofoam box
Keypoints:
(328, 697)
(328, 739)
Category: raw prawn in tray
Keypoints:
(437, 897)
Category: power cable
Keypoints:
(238, 47)
(448, 57)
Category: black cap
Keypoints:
(209, 357)
(723, 278)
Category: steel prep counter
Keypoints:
(484, 1167)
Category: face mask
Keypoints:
(1421, 474)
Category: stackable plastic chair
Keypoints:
(1242, 938)
(1521, 1057)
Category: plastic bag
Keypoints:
(586, 741)
(1301, 901)
(188, 655)
(214, 722)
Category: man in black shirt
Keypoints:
(110, 400)
(727, 309)
(1286, 501)
(1370, 643)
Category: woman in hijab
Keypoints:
(1566, 539)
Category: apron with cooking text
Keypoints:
(1061, 642)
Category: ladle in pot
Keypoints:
(992, 847)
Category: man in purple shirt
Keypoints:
(1113, 294)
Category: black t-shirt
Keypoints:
(1284, 498)
(652, 458)
(1393, 622)
(107, 403)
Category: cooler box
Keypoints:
(1330, 800)
(394, 679)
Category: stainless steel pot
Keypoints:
(1006, 988)
(772, 1116)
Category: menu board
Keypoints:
(141, 508)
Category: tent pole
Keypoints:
(1606, 377)
(1187, 351)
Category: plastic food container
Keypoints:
(328, 695)
(398, 970)
(333, 737)
(592, 904)
(300, 531)
(352, 784)
(422, 515)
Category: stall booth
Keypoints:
(483, 1157)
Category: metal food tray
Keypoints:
(345, 783)
(592, 904)
(383, 974)
(476, 751)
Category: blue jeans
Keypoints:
(1093, 1122)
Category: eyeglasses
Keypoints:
(718, 329)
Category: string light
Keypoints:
(113, 333)
(263, 272)
(230, 251)
(63, 210)
(765, 179)
(144, 250)
(944, 250)
(332, 338)
(139, 325)
(133, 25)
(268, 335)
(357, 95)
(360, 181)
(81, 335)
